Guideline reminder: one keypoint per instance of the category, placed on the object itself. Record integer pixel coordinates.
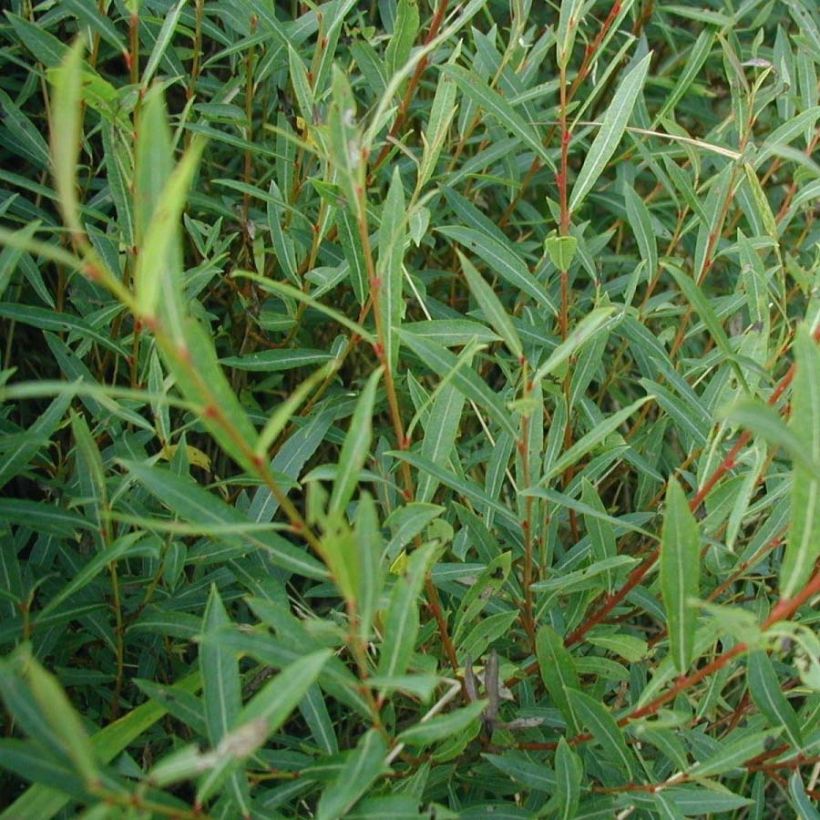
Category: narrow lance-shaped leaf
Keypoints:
(586, 329)
(60, 715)
(600, 529)
(363, 766)
(767, 693)
(593, 438)
(568, 774)
(441, 115)
(440, 436)
(680, 574)
(569, 19)
(356, 447)
(159, 259)
(153, 159)
(597, 718)
(402, 622)
(220, 673)
(803, 545)
(368, 555)
(442, 726)
(444, 363)
(492, 308)
(389, 268)
(200, 507)
(558, 673)
(491, 101)
(66, 133)
(345, 141)
(641, 224)
(503, 259)
(612, 129)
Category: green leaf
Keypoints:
(600, 530)
(439, 728)
(479, 596)
(288, 291)
(492, 308)
(25, 446)
(466, 380)
(369, 558)
(356, 447)
(363, 766)
(345, 141)
(55, 708)
(406, 522)
(767, 693)
(491, 101)
(153, 160)
(442, 112)
(464, 487)
(503, 259)
(561, 250)
(593, 439)
(44, 801)
(568, 774)
(166, 33)
(698, 300)
(46, 319)
(127, 545)
(452, 332)
(274, 702)
(596, 717)
(558, 673)
(195, 504)
(67, 123)
(733, 753)
(612, 129)
(569, 19)
(274, 361)
(191, 358)
(404, 35)
(389, 273)
(158, 258)
(680, 574)
(440, 435)
(220, 673)
(585, 330)
(763, 420)
(641, 224)
(402, 621)
(803, 544)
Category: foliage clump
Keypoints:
(409, 409)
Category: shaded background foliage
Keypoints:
(346, 497)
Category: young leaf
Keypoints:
(680, 574)
(66, 133)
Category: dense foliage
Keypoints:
(409, 409)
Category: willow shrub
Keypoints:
(409, 409)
